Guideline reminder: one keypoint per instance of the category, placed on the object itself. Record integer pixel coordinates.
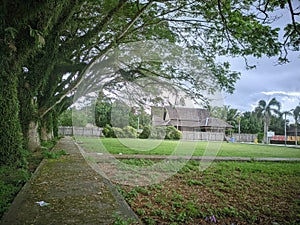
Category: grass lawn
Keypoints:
(157, 147)
(230, 192)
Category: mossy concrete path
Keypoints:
(75, 194)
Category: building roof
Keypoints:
(190, 114)
(215, 122)
(185, 117)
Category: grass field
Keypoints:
(157, 147)
(229, 192)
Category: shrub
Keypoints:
(158, 132)
(108, 131)
(169, 133)
(118, 132)
(145, 133)
(172, 133)
(11, 181)
(54, 155)
(260, 137)
(130, 132)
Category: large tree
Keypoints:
(55, 42)
(24, 27)
(265, 110)
(143, 20)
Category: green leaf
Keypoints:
(12, 31)
(41, 40)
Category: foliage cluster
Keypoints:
(158, 132)
(267, 116)
(46, 50)
(54, 155)
(168, 133)
(172, 133)
(260, 137)
(116, 132)
(11, 181)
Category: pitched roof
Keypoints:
(185, 117)
(215, 122)
(190, 114)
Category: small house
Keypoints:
(188, 119)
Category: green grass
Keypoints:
(233, 192)
(156, 147)
(12, 179)
(11, 182)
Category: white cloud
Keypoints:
(267, 81)
(292, 94)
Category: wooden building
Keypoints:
(187, 119)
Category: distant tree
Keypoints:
(296, 115)
(233, 117)
(250, 123)
(139, 118)
(119, 114)
(277, 124)
(65, 118)
(284, 114)
(265, 110)
(227, 114)
(102, 110)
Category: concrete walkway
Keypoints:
(74, 192)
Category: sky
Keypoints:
(268, 80)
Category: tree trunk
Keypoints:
(11, 145)
(33, 136)
(296, 133)
(10, 128)
(55, 125)
(265, 132)
(47, 127)
(46, 134)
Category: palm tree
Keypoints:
(296, 114)
(265, 110)
(286, 113)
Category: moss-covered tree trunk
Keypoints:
(46, 127)
(11, 149)
(28, 113)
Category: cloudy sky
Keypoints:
(268, 80)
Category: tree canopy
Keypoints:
(46, 48)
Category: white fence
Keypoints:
(186, 135)
(244, 137)
(80, 131)
(205, 136)
(214, 136)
